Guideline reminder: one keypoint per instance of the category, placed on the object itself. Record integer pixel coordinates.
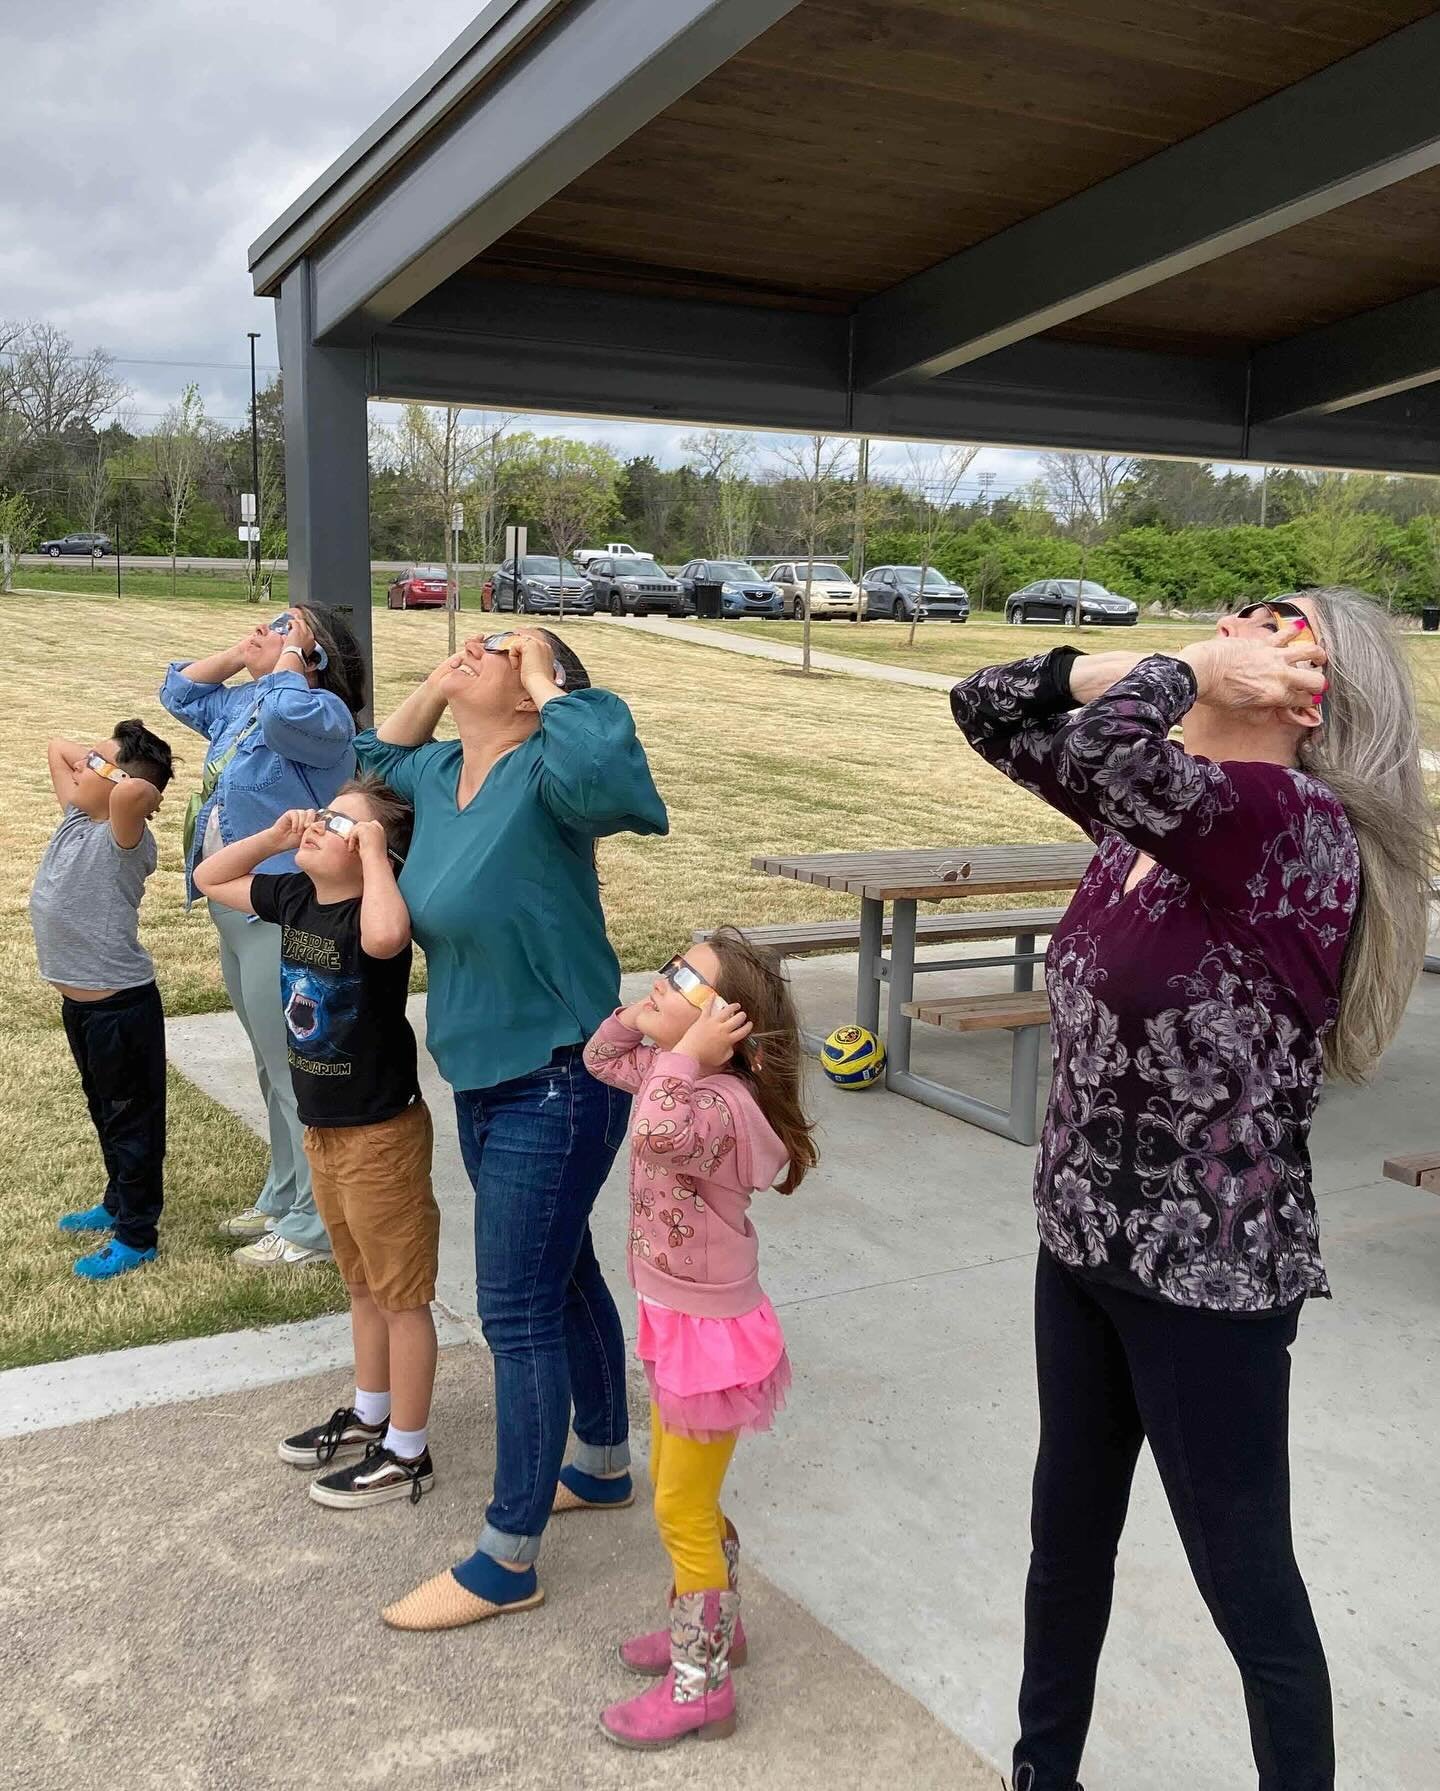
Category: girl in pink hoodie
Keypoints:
(712, 1056)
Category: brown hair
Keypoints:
(393, 813)
(771, 1061)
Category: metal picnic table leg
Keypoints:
(902, 987)
(1024, 973)
(872, 944)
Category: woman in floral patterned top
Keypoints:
(1201, 978)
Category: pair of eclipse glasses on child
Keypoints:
(686, 980)
(342, 826)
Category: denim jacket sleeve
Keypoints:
(307, 726)
(203, 707)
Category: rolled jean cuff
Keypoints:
(522, 1550)
(600, 1458)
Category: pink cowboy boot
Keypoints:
(649, 1655)
(697, 1694)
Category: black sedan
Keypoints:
(541, 586)
(92, 546)
(892, 592)
(1071, 600)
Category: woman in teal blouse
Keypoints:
(504, 898)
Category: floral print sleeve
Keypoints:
(691, 1127)
(1011, 715)
(617, 1054)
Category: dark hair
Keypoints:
(344, 670)
(393, 813)
(142, 753)
(772, 1067)
(576, 677)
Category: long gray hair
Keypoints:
(1368, 752)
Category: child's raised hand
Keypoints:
(717, 1034)
(289, 830)
(369, 843)
(136, 796)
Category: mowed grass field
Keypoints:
(751, 758)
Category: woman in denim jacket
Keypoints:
(284, 740)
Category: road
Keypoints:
(141, 562)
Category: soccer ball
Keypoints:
(853, 1057)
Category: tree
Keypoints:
(812, 468)
(179, 447)
(19, 531)
(722, 460)
(49, 387)
(1340, 541)
(1082, 489)
(572, 492)
(936, 476)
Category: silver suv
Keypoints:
(832, 591)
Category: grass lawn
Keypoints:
(81, 578)
(750, 756)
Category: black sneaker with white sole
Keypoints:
(341, 1434)
(381, 1476)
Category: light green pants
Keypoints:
(250, 964)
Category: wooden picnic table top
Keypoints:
(937, 873)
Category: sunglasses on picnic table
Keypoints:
(497, 643)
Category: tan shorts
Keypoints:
(372, 1189)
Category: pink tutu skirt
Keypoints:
(711, 1377)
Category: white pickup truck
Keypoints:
(615, 550)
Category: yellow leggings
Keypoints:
(687, 1477)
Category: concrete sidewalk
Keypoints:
(892, 1500)
(178, 1616)
(782, 652)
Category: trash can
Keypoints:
(707, 599)
(1430, 618)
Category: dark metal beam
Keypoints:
(1392, 349)
(597, 72)
(579, 352)
(1362, 124)
(327, 476)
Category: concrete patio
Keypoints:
(891, 1503)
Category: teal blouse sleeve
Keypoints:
(594, 776)
(402, 767)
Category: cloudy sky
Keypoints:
(147, 145)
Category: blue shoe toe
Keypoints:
(94, 1218)
(113, 1259)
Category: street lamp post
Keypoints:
(254, 336)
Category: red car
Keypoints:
(421, 587)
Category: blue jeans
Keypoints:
(537, 1150)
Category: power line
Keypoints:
(133, 360)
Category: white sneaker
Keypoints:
(274, 1252)
(250, 1224)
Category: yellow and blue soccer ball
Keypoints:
(852, 1057)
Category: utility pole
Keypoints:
(254, 336)
(1264, 479)
(862, 491)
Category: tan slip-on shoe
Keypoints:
(443, 1603)
(567, 1499)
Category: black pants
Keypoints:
(119, 1049)
(1210, 1393)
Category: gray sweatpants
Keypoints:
(250, 964)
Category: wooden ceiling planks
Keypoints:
(859, 141)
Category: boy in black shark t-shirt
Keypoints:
(345, 974)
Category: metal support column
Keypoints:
(327, 475)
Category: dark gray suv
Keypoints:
(96, 546)
(541, 585)
(634, 587)
(891, 593)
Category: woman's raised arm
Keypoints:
(415, 721)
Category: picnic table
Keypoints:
(905, 878)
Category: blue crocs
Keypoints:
(110, 1260)
(94, 1218)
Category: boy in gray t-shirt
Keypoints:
(85, 912)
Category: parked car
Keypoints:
(612, 550)
(742, 590)
(540, 584)
(832, 592)
(628, 586)
(95, 546)
(419, 587)
(893, 590)
(1069, 600)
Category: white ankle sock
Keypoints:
(371, 1408)
(407, 1444)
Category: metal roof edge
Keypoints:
(465, 64)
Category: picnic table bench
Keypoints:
(901, 880)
